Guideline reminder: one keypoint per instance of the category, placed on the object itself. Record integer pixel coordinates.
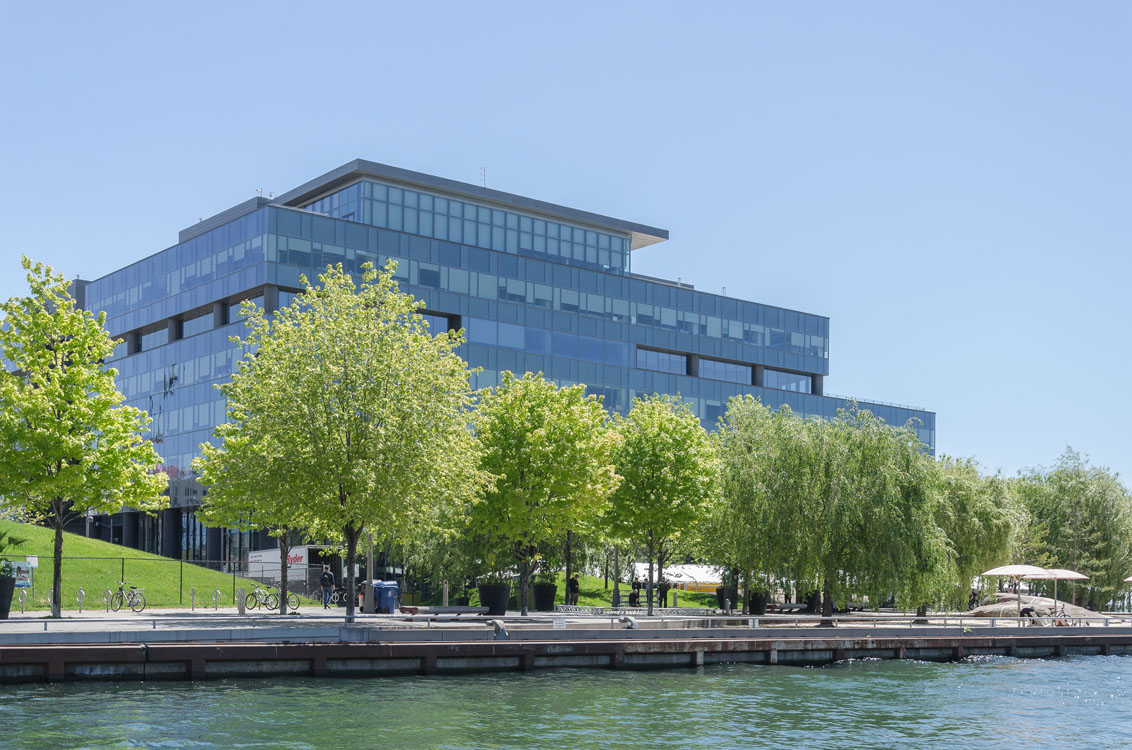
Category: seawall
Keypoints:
(372, 652)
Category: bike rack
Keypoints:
(106, 598)
(23, 599)
(216, 598)
(79, 598)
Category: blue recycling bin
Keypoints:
(385, 595)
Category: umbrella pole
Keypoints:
(1018, 598)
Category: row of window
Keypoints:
(787, 381)
(438, 217)
(676, 364)
(725, 371)
(709, 410)
(489, 286)
(210, 256)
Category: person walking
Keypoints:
(573, 588)
(326, 581)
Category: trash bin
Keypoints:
(385, 594)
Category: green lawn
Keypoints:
(594, 594)
(95, 565)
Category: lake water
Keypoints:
(993, 702)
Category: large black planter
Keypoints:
(813, 603)
(544, 596)
(7, 588)
(494, 596)
(758, 602)
(730, 593)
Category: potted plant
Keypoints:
(545, 589)
(7, 573)
(495, 591)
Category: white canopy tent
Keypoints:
(1061, 574)
(1018, 572)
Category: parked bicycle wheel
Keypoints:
(271, 601)
(251, 601)
(293, 601)
(137, 604)
(116, 600)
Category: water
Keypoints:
(990, 702)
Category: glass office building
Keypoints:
(536, 286)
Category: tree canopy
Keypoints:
(552, 462)
(669, 471)
(1080, 519)
(68, 444)
(364, 407)
(843, 506)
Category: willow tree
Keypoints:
(551, 457)
(368, 409)
(68, 445)
(980, 517)
(1081, 519)
(845, 505)
(744, 527)
(669, 472)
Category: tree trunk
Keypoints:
(648, 592)
(616, 601)
(57, 559)
(569, 562)
(525, 569)
(746, 592)
(352, 537)
(605, 569)
(921, 612)
(826, 605)
(284, 551)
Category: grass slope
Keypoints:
(95, 565)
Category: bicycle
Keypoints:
(127, 594)
(269, 599)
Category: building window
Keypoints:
(787, 381)
(154, 339)
(647, 359)
(732, 373)
(199, 324)
(234, 309)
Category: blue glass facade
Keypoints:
(536, 287)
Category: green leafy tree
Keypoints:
(68, 445)
(842, 505)
(669, 469)
(367, 411)
(248, 481)
(743, 527)
(980, 517)
(1080, 519)
(552, 459)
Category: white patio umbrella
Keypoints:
(1018, 572)
(1056, 574)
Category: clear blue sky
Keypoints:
(948, 182)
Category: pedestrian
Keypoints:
(573, 588)
(662, 588)
(326, 581)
